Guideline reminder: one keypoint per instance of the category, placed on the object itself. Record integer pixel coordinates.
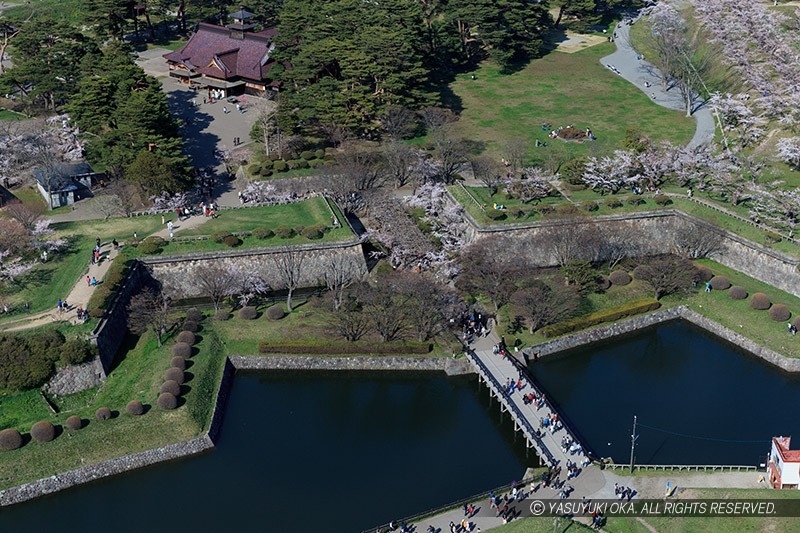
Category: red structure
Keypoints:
(784, 464)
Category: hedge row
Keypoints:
(598, 317)
(101, 297)
(331, 347)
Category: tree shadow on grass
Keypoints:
(187, 377)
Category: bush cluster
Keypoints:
(194, 314)
(614, 203)
(495, 214)
(171, 386)
(178, 362)
(182, 349)
(317, 231)
(167, 401)
(43, 431)
(599, 317)
(174, 374)
(719, 283)
(232, 241)
(737, 293)
(590, 205)
(275, 312)
(248, 313)
(187, 336)
(263, 233)
(662, 199)
(760, 301)
(134, 408)
(619, 277)
(76, 351)
(344, 347)
(779, 313)
(10, 439)
(220, 236)
(222, 315)
(26, 361)
(704, 273)
(190, 326)
(149, 248)
(102, 294)
(284, 232)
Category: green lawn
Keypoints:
(6, 114)
(138, 375)
(562, 89)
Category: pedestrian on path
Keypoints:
(88, 281)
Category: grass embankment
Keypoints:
(498, 108)
(6, 114)
(137, 376)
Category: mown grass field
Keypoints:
(137, 376)
(563, 89)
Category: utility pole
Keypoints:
(634, 437)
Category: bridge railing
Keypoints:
(697, 468)
(522, 420)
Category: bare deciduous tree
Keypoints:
(488, 172)
(399, 122)
(349, 320)
(577, 241)
(214, 282)
(27, 215)
(696, 241)
(542, 304)
(340, 273)
(289, 264)
(107, 205)
(667, 274)
(149, 309)
(514, 153)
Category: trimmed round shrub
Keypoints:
(266, 165)
(167, 401)
(189, 325)
(265, 172)
(603, 283)
(232, 241)
(704, 273)
(149, 248)
(10, 439)
(619, 277)
(662, 199)
(720, 283)
(155, 239)
(134, 408)
(495, 214)
(174, 374)
(613, 203)
(255, 168)
(291, 164)
(780, 313)
(298, 230)
(74, 423)
(263, 233)
(182, 349)
(220, 236)
(275, 312)
(178, 362)
(308, 154)
(194, 314)
(313, 233)
(640, 272)
(280, 165)
(319, 153)
(187, 336)
(104, 413)
(302, 164)
(590, 205)
(43, 431)
(248, 313)
(284, 232)
(222, 315)
(760, 301)
(737, 293)
(171, 386)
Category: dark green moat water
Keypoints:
(698, 400)
(307, 453)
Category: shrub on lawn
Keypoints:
(248, 312)
(182, 349)
(319, 153)
(298, 230)
(636, 200)
(780, 313)
(10, 439)
(308, 154)
(545, 210)
(590, 205)
(566, 209)
(155, 239)
(600, 317)
(222, 315)
(313, 232)
(220, 236)
(344, 347)
(134, 408)
(737, 293)
(167, 401)
(275, 312)
(149, 248)
(74, 423)
(302, 164)
(194, 314)
(263, 233)
(662, 199)
(232, 241)
(719, 283)
(496, 214)
(174, 374)
(603, 283)
(760, 301)
(704, 273)
(190, 325)
(103, 413)
(43, 431)
(619, 277)
(640, 272)
(253, 169)
(284, 232)
(613, 203)
(76, 351)
(172, 387)
(178, 362)
(280, 165)
(186, 336)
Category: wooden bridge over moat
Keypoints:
(493, 370)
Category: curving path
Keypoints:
(639, 71)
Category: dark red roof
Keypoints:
(212, 51)
(788, 456)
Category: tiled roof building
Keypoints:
(231, 58)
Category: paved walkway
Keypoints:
(81, 292)
(639, 71)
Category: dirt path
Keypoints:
(82, 291)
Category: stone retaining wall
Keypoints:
(631, 325)
(448, 365)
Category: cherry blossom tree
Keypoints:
(789, 150)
